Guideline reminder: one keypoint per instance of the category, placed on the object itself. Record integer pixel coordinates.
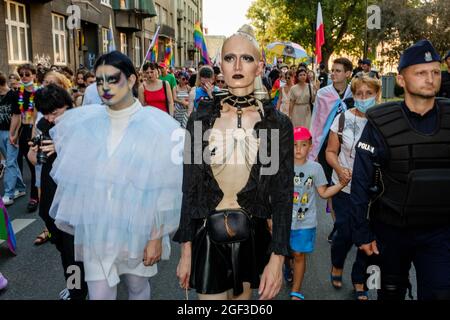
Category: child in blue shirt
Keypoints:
(310, 183)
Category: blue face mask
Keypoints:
(364, 105)
(28, 84)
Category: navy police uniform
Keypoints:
(401, 178)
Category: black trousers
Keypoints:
(64, 243)
(24, 137)
(427, 248)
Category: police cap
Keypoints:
(421, 52)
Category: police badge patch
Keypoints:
(428, 57)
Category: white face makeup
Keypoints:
(112, 85)
(240, 65)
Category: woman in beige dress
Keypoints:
(283, 100)
(301, 97)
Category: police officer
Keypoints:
(445, 85)
(405, 151)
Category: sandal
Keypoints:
(32, 206)
(335, 279)
(361, 295)
(42, 238)
(297, 295)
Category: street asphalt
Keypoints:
(36, 273)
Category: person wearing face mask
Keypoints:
(26, 93)
(340, 154)
(236, 213)
(399, 203)
(119, 200)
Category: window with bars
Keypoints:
(17, 32)
(137, 51)
(105, 40)
(59, 39)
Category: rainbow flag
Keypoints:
(169, 56)
(275, 93)
(154, 52)
(200, 43)
(6, 230)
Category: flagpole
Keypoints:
(152, 44)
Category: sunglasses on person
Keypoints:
(220, 81)
(25, 74)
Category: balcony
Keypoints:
(129, 14)
(180, 13)
(142, 8)
(167, 31)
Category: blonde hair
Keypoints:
(246, 31)
(373, 83)
(62, 80)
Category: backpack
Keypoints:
(341, 126)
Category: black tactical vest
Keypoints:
(416, 177)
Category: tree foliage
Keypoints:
(406, 22)
(403, 22)
(295, 20)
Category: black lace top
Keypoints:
(264, 196)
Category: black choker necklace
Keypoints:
(239, 102)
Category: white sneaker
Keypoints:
(7, 201)
(18, 194)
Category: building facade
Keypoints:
(75, 32)
(177, 19)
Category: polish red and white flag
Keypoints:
(320, 35)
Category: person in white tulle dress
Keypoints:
(119, 174)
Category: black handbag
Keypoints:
(228, 226)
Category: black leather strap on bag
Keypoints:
(165, 95)
(341, 127)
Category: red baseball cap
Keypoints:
(301, 133)
(162, 65)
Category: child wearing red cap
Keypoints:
(310, 183)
